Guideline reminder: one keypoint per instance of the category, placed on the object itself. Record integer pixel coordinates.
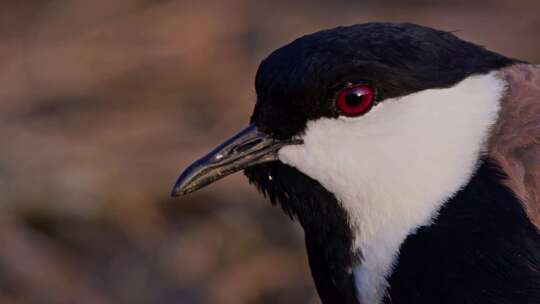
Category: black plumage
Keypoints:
(481, 249)
(298, 82)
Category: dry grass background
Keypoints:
(103, 102)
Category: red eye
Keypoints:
(356, 100)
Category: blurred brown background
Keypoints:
(103, 102)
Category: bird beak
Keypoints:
(247, 148)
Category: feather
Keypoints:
(515, 138)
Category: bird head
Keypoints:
(360, 108)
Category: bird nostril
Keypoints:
(248, 145)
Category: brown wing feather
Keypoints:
(515, 140)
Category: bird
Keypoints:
(409, 156)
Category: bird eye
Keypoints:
(355, 100)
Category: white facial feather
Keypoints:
(393, 168)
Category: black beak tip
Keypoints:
(175, 191)
(187, 181)
(179, 187)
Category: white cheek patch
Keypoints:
(393, 168)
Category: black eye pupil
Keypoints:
(353, 100)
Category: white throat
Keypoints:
(393, 168)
